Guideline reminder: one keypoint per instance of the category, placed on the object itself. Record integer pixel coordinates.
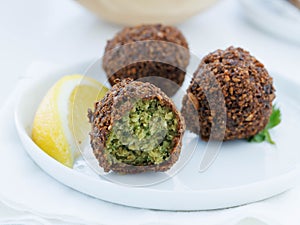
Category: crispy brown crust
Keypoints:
(247, 88)
(112, 107)
(167, 57)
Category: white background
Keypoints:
(61, 31)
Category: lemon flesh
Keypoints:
(61, 122)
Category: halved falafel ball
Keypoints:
(247, 90)
(136, 128)
(156, 52)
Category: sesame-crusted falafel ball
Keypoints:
(157, 53)
(247, 89)
(136, 128)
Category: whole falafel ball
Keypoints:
(159, 54)
(247, 89)
(136, 128)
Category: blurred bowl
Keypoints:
(133, 12)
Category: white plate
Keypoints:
(243, 172)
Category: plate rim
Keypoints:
(37, 155)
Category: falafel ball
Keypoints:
(157, 53)
(247, 89)
(136, 128)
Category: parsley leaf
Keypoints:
(264, 135)
(275, 118)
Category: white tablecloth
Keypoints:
(33, 196)
(63, 32)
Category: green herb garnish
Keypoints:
(264, 135)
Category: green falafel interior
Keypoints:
(143, 136)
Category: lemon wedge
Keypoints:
(60, 123)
